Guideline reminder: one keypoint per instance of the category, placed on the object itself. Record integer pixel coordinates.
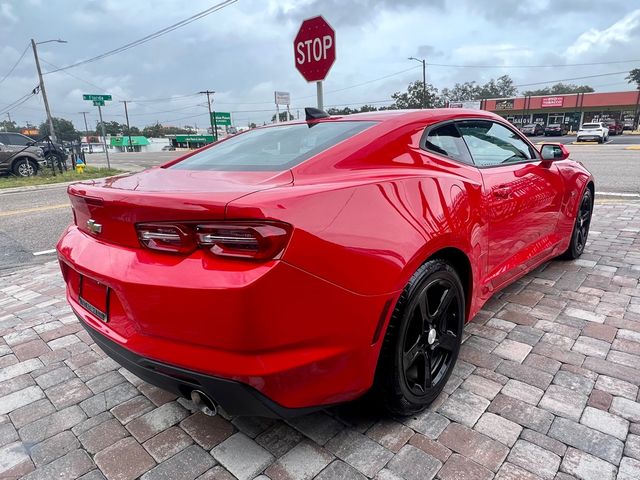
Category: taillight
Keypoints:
(166, 238)
(250, 240)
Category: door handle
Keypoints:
(502, 192)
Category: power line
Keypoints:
(150, 37)
(15, 64)
(531, 66)
(573, 78)
(17, 103)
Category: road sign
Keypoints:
(98, 103)
(314, 49)
(89, 96)
(222, 118)
(282, 98)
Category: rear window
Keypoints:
(589, 126)
(274, 148)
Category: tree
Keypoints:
(560, 89)
(153, 131)
(111, 128)
(634, 77)
(252, 125)
(283, 117)
(413, 97)
(63, 127)
(134, 131)
(500, 88)
(9, 126)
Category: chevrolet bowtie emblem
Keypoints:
(93, 226)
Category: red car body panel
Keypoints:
(305, 329)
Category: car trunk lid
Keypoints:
(109, 209)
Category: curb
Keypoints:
(30, 188)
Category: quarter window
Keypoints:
(446, 140)
(493, 144)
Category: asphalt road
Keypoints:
(31, 221)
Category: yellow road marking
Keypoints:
(34, 209)
(632, 147)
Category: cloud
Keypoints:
(6, 11)
(625, 31)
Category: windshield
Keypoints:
(590, 126)
(274, 148)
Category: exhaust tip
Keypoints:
(204, 403)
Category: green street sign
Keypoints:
(98, 103)
(90, 96)
(222, 119)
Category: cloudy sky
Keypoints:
(244, 52)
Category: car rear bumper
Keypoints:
(293, 338)
(235, 398)
(589, 137)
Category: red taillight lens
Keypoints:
(246, 240)
(166, 238)
(250, 240)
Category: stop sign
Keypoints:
(314, 49)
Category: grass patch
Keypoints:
(45, 177)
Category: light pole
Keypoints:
(52, 133)
(212, 118)
(424, 79)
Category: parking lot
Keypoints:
(546, 387)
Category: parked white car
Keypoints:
(598, 132)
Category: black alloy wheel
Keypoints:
(581, 227)
(423, 339)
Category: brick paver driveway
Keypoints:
(546, 387)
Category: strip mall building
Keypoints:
(572, 109)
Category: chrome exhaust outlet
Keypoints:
(203, 403)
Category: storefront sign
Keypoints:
(504, 104)
(472, 104)
(282, 98)
(552, 102)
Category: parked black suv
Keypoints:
(54, 153)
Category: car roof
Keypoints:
(419, 114)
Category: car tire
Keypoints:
(422, 341)
(581, 225)
(600, 139)
(24, 167)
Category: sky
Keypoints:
(245, 51)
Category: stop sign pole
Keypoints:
(314, 49)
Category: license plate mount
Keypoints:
(94, 297)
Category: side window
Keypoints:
(446, 140)
(18, 140)
(3, 139)
(493, 144)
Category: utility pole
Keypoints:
(104, 137)
(86, 131)
(424, 79)
(52, 133)
(126, 114)
(212, 118)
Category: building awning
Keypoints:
(124, 141)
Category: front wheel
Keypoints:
(581, 227)
(423, 339)
(24, 167)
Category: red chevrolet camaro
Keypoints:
(300, 265)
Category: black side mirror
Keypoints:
(552, 151)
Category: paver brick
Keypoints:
(522, 391)
(534, 459)
(124, 460)
(359, 451)
(544, 441)
(587, 439)
(132, 408)
(587, 467)
(461, 468)
(14, 461)
(102, 436)
(18, 399)
(509, 471)
(616, 387)
(498, 428)
(599, 399)
(53, 448)
(464, 407)
(522, 413)
(243, 457)
(626, 409)
(339, 469)
(525, 374)
(605, 422)
(629, 469)
(632, 446)
(476, 446)
(68, 393)
(482, 386)
(411, 463)
(72, 465)
(278, 439)
(31, 412)
(430, 447)
(390, 434)
(153, 422)
(563, 401)
(427, 423)
(303, 462)
(52, 424)
(207, 431)
(188, 464)
(318, 426)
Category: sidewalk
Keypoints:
(546, 388)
